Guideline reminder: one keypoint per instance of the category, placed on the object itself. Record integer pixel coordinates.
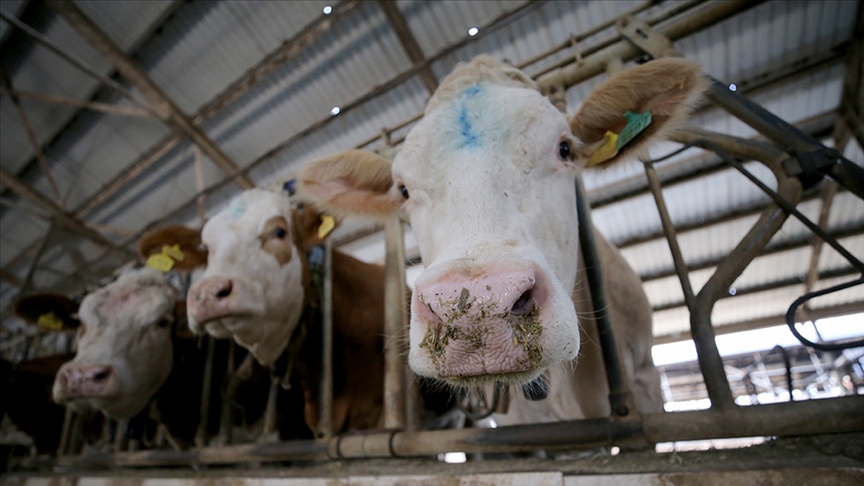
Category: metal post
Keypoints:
(204, 415)
(619, 393)
(395, 323)
(325, 418)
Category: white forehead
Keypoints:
(482, 118)
(247, 214)
(139, 296)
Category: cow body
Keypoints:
(27, 400)
(257, 285)
(486, 179)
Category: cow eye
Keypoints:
(564, 150)
(163, 322)
(403, 190)
(280, 233)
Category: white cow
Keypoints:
(486, 180)
(124, 346)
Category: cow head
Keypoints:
(254, 284)
(125, 350)
(486, 179)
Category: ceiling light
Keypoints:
(733, 87)
(327, 10)
(335, 110)
(473, 31)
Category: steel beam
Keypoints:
(57, 213)
(763, 322)
(795, 243)
(287, 51)
(90, 105)
(409, 42)
(165, 108)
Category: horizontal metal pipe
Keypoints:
(834, 415)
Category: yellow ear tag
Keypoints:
(327, 225)
(174, 252)
(50, 321)
(161, 262)
(606, 152)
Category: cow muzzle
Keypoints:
(484, 326)
(211, 298)
(83, 381)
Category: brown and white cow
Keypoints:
(257, 286)
(125, 349)
(486, 179)
(131, 346)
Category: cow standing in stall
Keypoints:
(486, 180)
(257, 289)
(133, 346)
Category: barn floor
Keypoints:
(835, 459)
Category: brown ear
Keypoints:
(32, 307)
(189, 240)
(350, 182)
(668, 87)
(305, 221)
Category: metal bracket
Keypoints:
(810, 166)
(644, 37)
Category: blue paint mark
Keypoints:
(470, 138)
(236, 209)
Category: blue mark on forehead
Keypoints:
(469, 137)
(236, 209)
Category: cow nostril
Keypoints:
(102, 375)
(525, 303)
(225, 291)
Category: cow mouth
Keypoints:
(509, 378)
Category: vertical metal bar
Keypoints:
(710, 362)
(618, 390)
(270, 411)
(204, 415)
(225, 416)
(120, 436)
(671, 236)
(395, 319)
(325, 419)
(63, 448)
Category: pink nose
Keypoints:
(485, 325)
(209, 298)
(81, 381)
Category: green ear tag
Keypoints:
(636, 122)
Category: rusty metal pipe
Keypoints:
(395, 324)
(834, 415)
(325, 417)
(204, 413)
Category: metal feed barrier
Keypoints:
(796, 159)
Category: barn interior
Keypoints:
(119, 117)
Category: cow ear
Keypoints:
(310, 226)
(666, 88)
(51, 312)
(350, 182)
(188, 239)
